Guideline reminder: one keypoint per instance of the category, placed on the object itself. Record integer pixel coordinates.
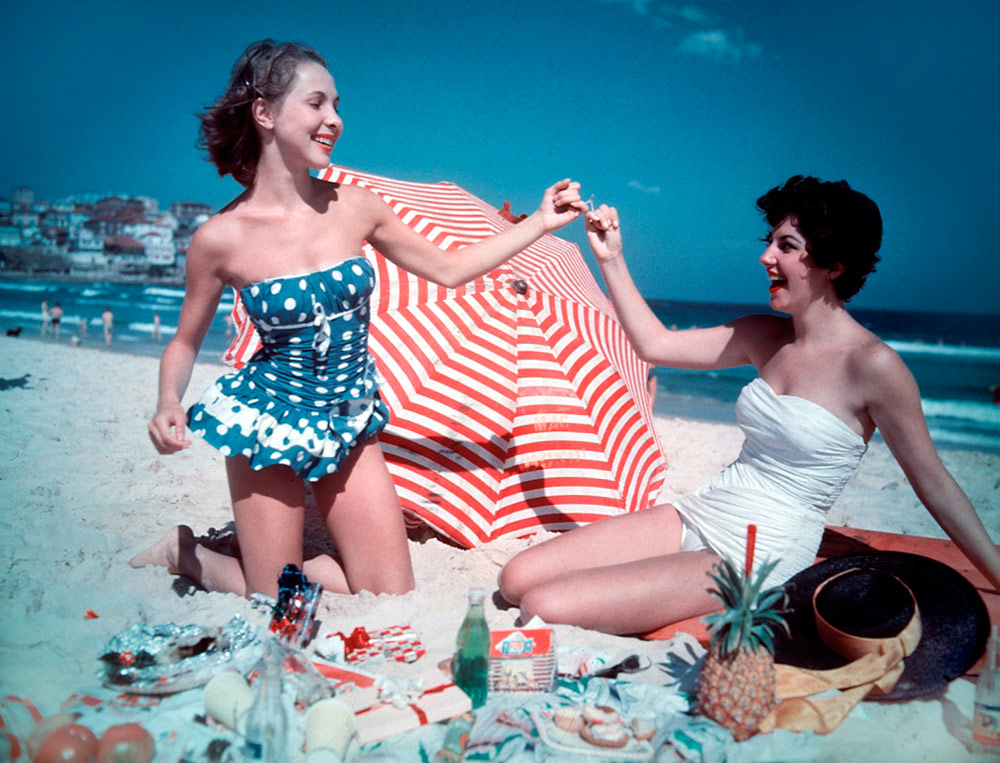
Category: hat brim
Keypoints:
(954, 620)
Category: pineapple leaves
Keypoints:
(749, 613)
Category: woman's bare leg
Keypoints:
(181, 554)
(633, 597)
(268, 506)
(361, 510)
(616, 540)
(625, 574)
(269, 509)
(326, 570)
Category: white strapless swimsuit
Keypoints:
(795, 461)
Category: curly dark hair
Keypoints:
(264, 70)
(841, 226)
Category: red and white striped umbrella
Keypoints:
(517, 402)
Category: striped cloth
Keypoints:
(246, 342)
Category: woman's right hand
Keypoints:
(603, 233)
(166, 429)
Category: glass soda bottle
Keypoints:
(472, 650)
(986, 721)
(266, 722)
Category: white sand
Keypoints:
(83, 489)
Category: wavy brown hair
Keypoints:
(264, 70)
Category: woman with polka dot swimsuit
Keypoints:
(306, 407)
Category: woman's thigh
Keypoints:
(362, 513)
(268, 506)
(625, 538)
(632, 597)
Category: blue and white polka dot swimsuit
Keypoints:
(311, 392)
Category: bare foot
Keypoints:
(168, 550)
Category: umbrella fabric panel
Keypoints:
(525, 499)
(559, 468)
(560, 270)
(245, 341)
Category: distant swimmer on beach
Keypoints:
(55, 317)
(108, 319)
(81, 326)
(825, 385)
(156, 326)
(306, 407)
(46, 317)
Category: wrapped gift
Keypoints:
(397, 642)
(345, 678)
(405, 703)
(522, 660)
(351, 684)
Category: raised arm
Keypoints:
(560, 205)
(894, 405)
(723, 346)
(203, 288)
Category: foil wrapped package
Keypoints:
(169, 658)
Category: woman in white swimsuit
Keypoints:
(826, 383)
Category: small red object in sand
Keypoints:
(90, 615)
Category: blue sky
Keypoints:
(679, 114)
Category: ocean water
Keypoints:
(955, 358)
(133, 306)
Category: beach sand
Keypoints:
(83, 490)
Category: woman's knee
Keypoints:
(511, 581)
(528, 569)
(546, 603)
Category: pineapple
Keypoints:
(736, 685)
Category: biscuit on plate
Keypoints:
(598, 714)
(605, 735)
(568, 718)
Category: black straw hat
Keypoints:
(953, 618)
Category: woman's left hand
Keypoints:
(604, 234)
(561, 205)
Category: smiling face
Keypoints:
(796, 280)
(305, 123)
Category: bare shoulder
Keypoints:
(360, 199)
(214, 233)
(344, 193)
(879, 369)
(214, 242)
(871, 355)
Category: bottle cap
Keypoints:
(476, 595)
